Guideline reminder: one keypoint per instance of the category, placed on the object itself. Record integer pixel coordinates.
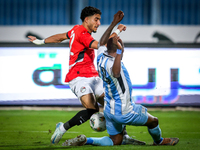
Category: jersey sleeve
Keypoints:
(101, 49)
(86, 39)
(69, 33)
(68, 36)
(110, 62)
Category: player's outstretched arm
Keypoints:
(116, 69)
(57, 38)
(117, 18)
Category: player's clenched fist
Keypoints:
(118, 16)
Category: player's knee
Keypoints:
(89, 101)
(117, 142)
(154, 123)
(117, 139)
(100, 99)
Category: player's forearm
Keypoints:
(106, 34)
(116, 69)
(56, 38)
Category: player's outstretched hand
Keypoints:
(118, 17)
(31, 38)
(35, 40)
(115, 41)
(121, 27)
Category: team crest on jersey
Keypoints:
(83, 89)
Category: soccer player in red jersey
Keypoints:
(82, 77)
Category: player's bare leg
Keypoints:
(89, 101)
(100, 99)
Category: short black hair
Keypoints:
(110, 46)
(89, 11)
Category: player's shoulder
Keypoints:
(80, 29)
(76, 27)
(101, 49)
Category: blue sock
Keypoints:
(156, 134)
(103, 141)
(89, 141)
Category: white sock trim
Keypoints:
(62, 129)
(126, 136)
(161, 141)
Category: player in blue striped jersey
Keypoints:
(118, 88)
(119, 108)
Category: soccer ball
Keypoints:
(98, 122)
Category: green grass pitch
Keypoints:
(23, 129)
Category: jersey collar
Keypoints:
(106, 54)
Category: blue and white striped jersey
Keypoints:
(118, 100)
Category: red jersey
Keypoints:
(81, 61)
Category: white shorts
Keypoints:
(81, 86)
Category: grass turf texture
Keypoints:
(22, 129)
